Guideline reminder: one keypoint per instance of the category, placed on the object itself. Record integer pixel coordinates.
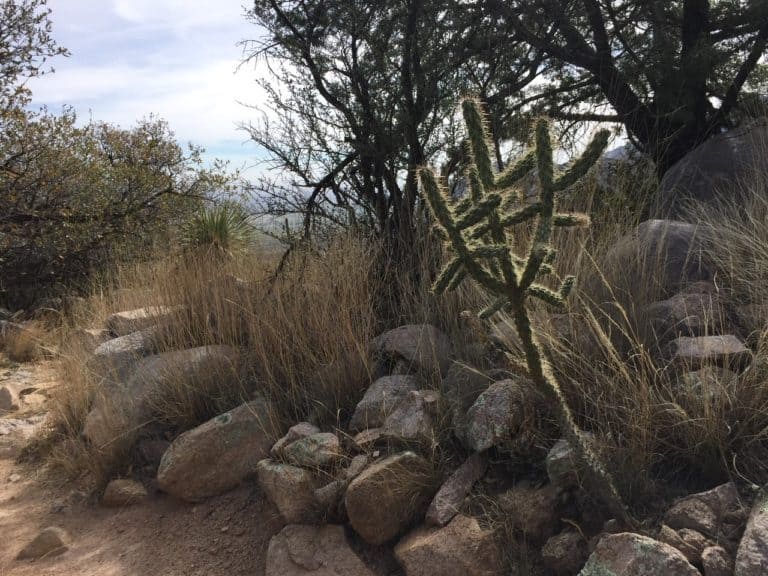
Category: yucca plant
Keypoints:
(481, 237)
(221, 230)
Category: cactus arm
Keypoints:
(581, 166)
(477, 129)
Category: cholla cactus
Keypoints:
(479, 234)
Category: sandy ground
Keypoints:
(227, 535)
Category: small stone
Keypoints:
(367, 438)
(13, 478)
(123, 492)
(300, 430)
(356, 467)
(562, 466)
(292, 490)
(49, 542)
(315, 451)
(449, 499)
(412, 419)
(422, 346)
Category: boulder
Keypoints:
(380, 399)
(462, 548)
(383, 500)
(116, 357)
(752, 555)
(532, 512)
(300, 430)
(129, 321)
(299, 550)
(219, 454)
(628, 554)
(123, 492)
(693, 353)
(504, 415)
(722, 168)
(565, 553)
(422, 346)
(125, 403)
(460, 388)
(704, 512)
(689, 314)
(667, 253)
(315, 451)
(291, 489)
(716, 561)
(412, 420)
(49, 542)
(450, 498)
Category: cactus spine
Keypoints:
(479, 234)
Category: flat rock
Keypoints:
(693, 353)
(49, 542)
(628, 554)
(502, 415)
(314, 451)
(450, 498)
(383, 500)
(128, 321)
(704, 511)
(123, 492)
(422, 346)
(752, 555)
(291, 489)
(462, 548)
(217, 455)
(299, 550)
(380, 399)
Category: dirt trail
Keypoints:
(224, 536)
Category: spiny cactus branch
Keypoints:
(481, 238)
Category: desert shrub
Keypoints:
(75, 198)
(221, 230)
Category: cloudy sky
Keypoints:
(174, 58)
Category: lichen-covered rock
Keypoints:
(503, 415)
(422, 346)
(450, 498)
(123, 492)
(693, 353)
(300, 430)
(49, 542)
(462, 548)
(128, 321)
(412, 420)
(629, 554)
(752, 556)
(380, 399)
(383, 500)
(563, 468)
(291, 489)
(219, 454)
(315, 451)
(565, 553)
(299, 550)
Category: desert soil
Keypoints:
(223, 536)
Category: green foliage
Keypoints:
(482, 241)
(221, 230)
(75, 198)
